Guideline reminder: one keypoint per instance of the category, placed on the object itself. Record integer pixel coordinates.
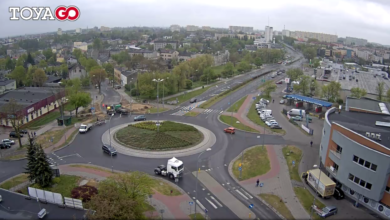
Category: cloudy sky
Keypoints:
(369, 19)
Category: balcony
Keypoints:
(332, 171)
(336, 153)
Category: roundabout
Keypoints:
(192, 140)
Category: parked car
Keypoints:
(117, 87)
(140, 118)
(109, 149)
(230, 130)
(270, 122)
(299, 118)
(4, 146)
(193, 100)
(8, 141)
(275, 127)
(14, 135)
(279, 82)
(265, 101)
(282, 101)
(338, 193)
(23, 131)
(328, 211)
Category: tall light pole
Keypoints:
(158, 106)
(197, 171)
(109, 131)
(163, 94)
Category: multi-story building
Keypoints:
(319, 36)
(7, 85)
(83, 46)
(239, 36)
(191, 28)
(236, 29)
(145, 53)
(78, 30)
(168, 54)
(323, 52)
(167, 37)
(59, 31)
(355, 152)
(103, 29)
(268, 34)
(286, 33)
(76, 71)
(162, 44)
(206, 28)
(175, 27)
(355, 41)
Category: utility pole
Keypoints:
(158, 105)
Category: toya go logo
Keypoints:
(61, 13)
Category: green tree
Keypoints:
(228, 70)
(294, 74)
(9, 64)
(39, 77)
(30, 60)
(244, 66)
(43, 172)
(380, 89)
(357, 92)
(309, 53)
(208, 74)
(331, 91)
(269, 87)
(97, 44)
(13, 113)
(31, 159)
(188, 84)
(168, 46)
(48, 53)
(110, 72)
(121, 57)
(98, 76)
(18, 74)
(234, 58)
(80, 99)
(258, 62)
(42, 64)
(304, 85)
(77, 53)
(85, 81)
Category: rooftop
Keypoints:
(27, 96)
(367, 104)
(4, 82)
(364, 122)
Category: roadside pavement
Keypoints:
(276, 181)
(175, 207)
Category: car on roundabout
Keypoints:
(140, 118)
(230, 130)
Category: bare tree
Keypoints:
(98, 76)
(13, 112)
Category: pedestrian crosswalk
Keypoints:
(211, 111)
(183, 110)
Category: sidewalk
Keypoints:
(175, 207)
(276, 181)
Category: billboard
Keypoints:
(287, 80)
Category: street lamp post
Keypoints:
(158, 109)
(163, 94)
(197, 171)
(109, 131)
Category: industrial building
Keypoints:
(355, 151)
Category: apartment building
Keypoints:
(161, 44)
(103, 29)
(239, 36)
(206, 28)
(355, 41)
(355, 152)
(174, 28)
(145, 53)
(59, 31)
(83, 46)
(191, 28)
(168, 54)
(319, 36)
(236, 29)
(269, 34)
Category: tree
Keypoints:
(110, 72)
(42, 64)
(258, 62)
(48, 53)
(269, 87)
(97, 44)
(357, 92)
(188, 84)
(244, 67)
(208, 74)
(18, 74)
(234, 57)
(168, 46)
(85, 81)
(294, 74)
(30, 60)
(309, 53)
(388, 95)
(228, 70)
(331, 91)
(304, 85)
(80, 99)
(43, 173)
(39, 77)
(380, 89)
(13, 113)
(98, 76)
(77, 53)
(31, 159)
(9, 64)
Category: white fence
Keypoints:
(54, 198)
(73, 203)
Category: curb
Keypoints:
(257, 196)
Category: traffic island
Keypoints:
(234, 122)
(277, 203)
(141, 139)
(306, 199)
(293, 156)
(254, 163)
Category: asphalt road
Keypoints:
(86, 148)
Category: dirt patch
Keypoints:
(135, 107)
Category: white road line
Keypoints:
(241, 194)
(216, 201)
(221, 112)
(249, 195)
(212, 204)
(200, 204)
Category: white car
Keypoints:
(270, 122)
(268, 118)
(8, 141)
(274, 124)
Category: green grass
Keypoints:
(237, 105)
(291, 154)
(192, 114)
(306, 199)
(165, 188)
(68, 139)
(64, 186)
(275, 202)
(155, 110)
(198, 216)
(43, 120)
(172, 135)
(188, 95)
(255, 118)
(255, 163)
(14, 181)
(219, 97)
(229, 119)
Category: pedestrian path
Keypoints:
(182, 110)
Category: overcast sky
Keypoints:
(369, 19)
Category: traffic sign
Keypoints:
(254, 98)
(250, 206)
(239, 164)
(240, 168)
(293, 163)
(205, 210)
(229, 103)
(261, 184)
(191, 203)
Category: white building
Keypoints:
(59, 31)
(83, 46)
(78, 30)
(103, 29)
(175, 27)
(286, 33)
(167, 37)
(268, 34)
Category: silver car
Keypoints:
(328, 211)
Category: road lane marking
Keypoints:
(200, 204)
(241, 194)
(212, 204)
(216, 201)
(249, 195)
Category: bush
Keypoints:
(56, 180)
(127, 87)
(164, 126)
(340, 101)
(134, 92)
(188, 84)
(84, 192)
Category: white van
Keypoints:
(266, 111)
(42, 213)
(296, 112)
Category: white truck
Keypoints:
(174, 169)
(297, 112)
(321, 183)
(84, 128)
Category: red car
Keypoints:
(279, 82)
(230, 130)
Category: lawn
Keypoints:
(188, 95)
(291, 154)
(255, 118)
(44, 139)
(219, 69)
(63, 185)
(197, 216)
(192, 114)
(255, 163)
(237, 105)
(275, 202)
(165, 188)
(14, 181)
(306, 199)
(172, 135)
(219, 97)
(155, 110)
(229, 119)
(68, 139)
(37, 123)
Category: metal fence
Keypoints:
(54, 198)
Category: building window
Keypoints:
(339, 149)
(361, 182)
(355, 158)
(373, 167)
(350, 177)
(387, 189)
(365, 163)
(40, 111)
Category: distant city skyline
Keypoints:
(367, 19)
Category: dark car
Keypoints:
(109, 149)
(4, 146)
(14, 135)
(275, 127)
(193, 100)
(140, 118)
(338, 193)
(122, 111)
(117, 87)
(23, 131)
